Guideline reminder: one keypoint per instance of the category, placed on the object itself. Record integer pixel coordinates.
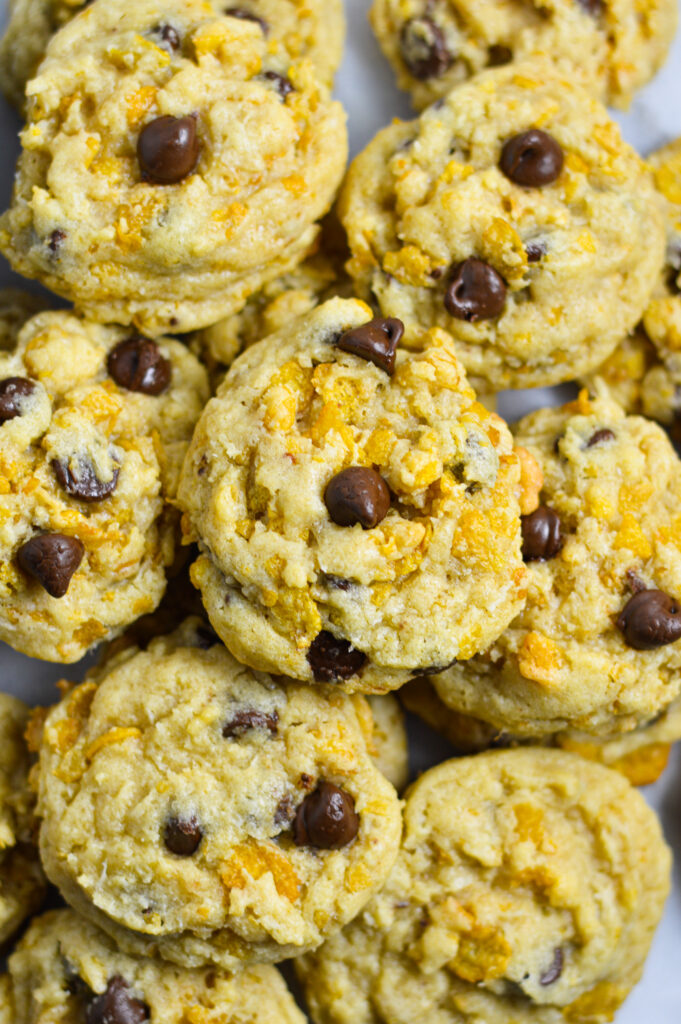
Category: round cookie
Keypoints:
(613, 46)
(94, 424)
(596, 647)
(170, 166)
(388, 743)
(204, 813)
(513, 215)
(527, 889)
(22, 885)
(68, 970)
(306, 438)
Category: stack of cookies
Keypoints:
(257, 465)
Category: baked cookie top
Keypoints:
(513, 215)
(356, 507)
(527, 889)
(170, 166)
(94, 424)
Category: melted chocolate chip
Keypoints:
(376, 342)
(535, 251)
(281, 83)
(532, 159)
(168, 149)
(52, 559)
(116, 1006)
(424, 49)
(137, 365)
(182, 836)
(498, 55)
(650, 619)
(56, 240)
(326, 819)
(169, 37)
(475, 292)
(553, 973)
(357, 495)
(84, 484)
(251, 718)
(239, 12)
(331, 658)
(542, 534)
(600, 437)
(13, 390)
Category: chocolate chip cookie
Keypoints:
(167, 175)
(94, 424)
(202, 812)
(356, 508)
(513, 215)
(528, 887)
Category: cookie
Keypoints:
(313, 29)
(356, 508)
(596, 647)
(170, 166)
(94, 424)
(388, 742)
(513, 215)
(527, 889)
(21, 881)
(16, 307)
(205, 813)
(612, 46)
(68, 970)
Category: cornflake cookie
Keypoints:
(21, 881)
(65, 969)
(293, 29)
(527, 889)
(513, 215)
(613, 46)
(205, 813)
(596, 647)
(356, 508)
(94, 424)
(170, 165)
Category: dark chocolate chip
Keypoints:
(168, 149)
(84, 483)
(251, 718)
(183, 836)
(600, 437)
(12, 392)
(285, 812)
(169, 37)
(635, 582)
(498, 55)
(376, 342)
(281, 83)
(535, 251)
(553, 973)
(650, 619)
(137, 365)
(52, 559)
(116, 1006)
(593, 7)
(357, 495)
(424, 49)
(532, 158)
(331, 658)
(475, 292)
(542, 534)
(337, 582)
(326, 819)
(56, 240)
(239, 12)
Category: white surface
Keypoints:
(366, 88)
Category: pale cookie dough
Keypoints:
(94, 424)
(22, 885)
(165, 178)
(613, 46)
(205, 813)
(591, 650)
(67, 970)
(387, 743)
(537, 282)
(436, 577)
(527, 891)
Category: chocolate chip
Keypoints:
(52, 559)
(12, 392)
(535, 251)
(326, 819)
(282, 84)
(239, 12)
(168, 149)
(532, 158)
(337, 582)
(84, 483)
(600, 437)
(650, 619)
(555, 970)
(376, 342)
(251, 718)
(542, 534)
(593, 7)
(424, 49)
(116, 1006)
(331, 658)
(56, 239)
(169, 37)
(357, 495)
(285, 812)
(475, 292)
(183, 836)
(635, 582)
(498, 55)
(137, 365)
